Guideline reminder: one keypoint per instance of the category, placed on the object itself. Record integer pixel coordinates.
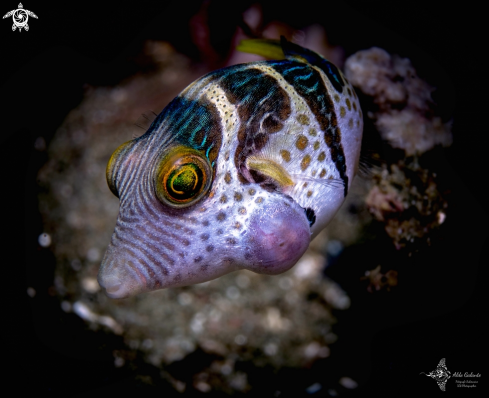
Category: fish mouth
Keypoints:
(119, 277)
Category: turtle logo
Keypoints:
(20, 17)
(440, 374)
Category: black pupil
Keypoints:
(185, 182)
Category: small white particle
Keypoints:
(66, 306)
(336, 297)
(76, 264)
(31, 292)
(314, 388)
(184, 299)
(119, 362)
(348, 383)
(441, 217)
(119, 95)
(226, 369)
(334, 247)
(110, 323)
(312, 349)
(204, 387)
(271, 349)
(232, 292)
(84, 312)
(44, 239)
(179, 386)
(308, 267)
(197, 323)
(93, 254)
(240, 339)
(243, 281)
(285, 283)
(90, 285)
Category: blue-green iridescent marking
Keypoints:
(291, 49)
(195, 123)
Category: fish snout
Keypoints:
(279, 234)
(119, 277)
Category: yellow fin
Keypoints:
(269, 168)
(267, 48)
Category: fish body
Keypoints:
(240, 171)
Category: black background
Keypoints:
(440, 310)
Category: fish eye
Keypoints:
(183, 177)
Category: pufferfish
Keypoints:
(240, 171)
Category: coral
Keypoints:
(405, 196)
(405, 114)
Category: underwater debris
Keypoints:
(379, 280)
(405, 196)
(405, 116)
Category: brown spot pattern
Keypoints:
(306, 160)
(301, 142)
(285, 155)
(303, 119)
(221, 216)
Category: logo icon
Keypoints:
(20, 16)
(440, 374)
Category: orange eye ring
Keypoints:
(183, 177)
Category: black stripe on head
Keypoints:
(310, 86)
(294, 50)
(262, 104)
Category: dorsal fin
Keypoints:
(267, 48)
(274, 49)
